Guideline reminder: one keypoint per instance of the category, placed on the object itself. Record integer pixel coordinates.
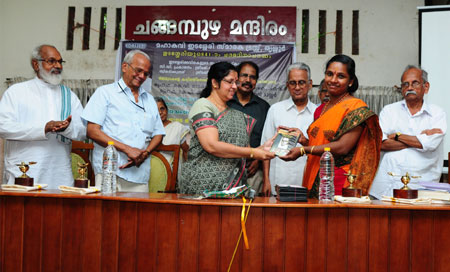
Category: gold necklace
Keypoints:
(218, 106)
(325, 108)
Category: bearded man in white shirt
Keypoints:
(294, 112)
(413, 134)
(38, 120)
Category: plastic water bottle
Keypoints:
(109, 181)
(326, 187)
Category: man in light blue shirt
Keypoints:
(125, 113)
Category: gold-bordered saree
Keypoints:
(363, 159)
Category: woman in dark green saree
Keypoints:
(220, 137)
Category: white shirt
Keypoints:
(25, 109)
(285, 113)
(113, 107)
(426, 162)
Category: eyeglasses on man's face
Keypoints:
(52, 61)
(232, 82)
(139, 71)
(415, 84)
(294, 83)
(252, 77)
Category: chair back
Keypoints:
(80, 153)
(163, 176)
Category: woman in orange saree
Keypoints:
(347, 126)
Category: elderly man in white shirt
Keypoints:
(296, 111)
(123, 112)
(38, 119)
(413, 133)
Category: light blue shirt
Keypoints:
(114, 108)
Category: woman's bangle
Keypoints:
(251, 153)
(312, 148)
(302, 151)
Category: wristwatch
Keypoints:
(397, 135)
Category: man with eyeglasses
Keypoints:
(246, 101)
(38, 119)
(413, 134)
(296, 111)
(123, 112)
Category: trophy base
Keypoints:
(408, 194)
(353, 192)
(81, 183)
(24, 181)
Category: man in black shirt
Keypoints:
(246, 101)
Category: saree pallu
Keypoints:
(204, 171)
(362, 160)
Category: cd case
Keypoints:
(284, 141)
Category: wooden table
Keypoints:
(53, 231)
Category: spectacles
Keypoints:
(139, 71)
(323, 90)
(232, 82)
(415, 84)
(252, 77)
(53, 61)
(294, 83)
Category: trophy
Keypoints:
(351, 191)
(82, 181)
(405, 191)
(24, 179)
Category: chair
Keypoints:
(80, 153)
(163, 176)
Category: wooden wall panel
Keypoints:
(127, 236)
(316, 240)
(110, 233)
(2, 231)
(422, 241)
(336, 249)
(296, 238)
(229, 234)
(210, 239)
(92, 229)
(252, 259)
(378, 242)
(399, 240)
(358, 239)
(167, 237)
(189, 238)
(13, 239)
(146, 241)
(32, 234)
(274, 239)
(51, 233)
(441, 241)
(72, 234)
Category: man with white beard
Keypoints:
(38, 120)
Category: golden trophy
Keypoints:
(82, 181)
(24, 179)
(405, 191)
(351, 191)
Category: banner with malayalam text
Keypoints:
(179, 69)
(211, 23)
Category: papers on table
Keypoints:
(359, 200)
(83, 191)
(21, 188)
